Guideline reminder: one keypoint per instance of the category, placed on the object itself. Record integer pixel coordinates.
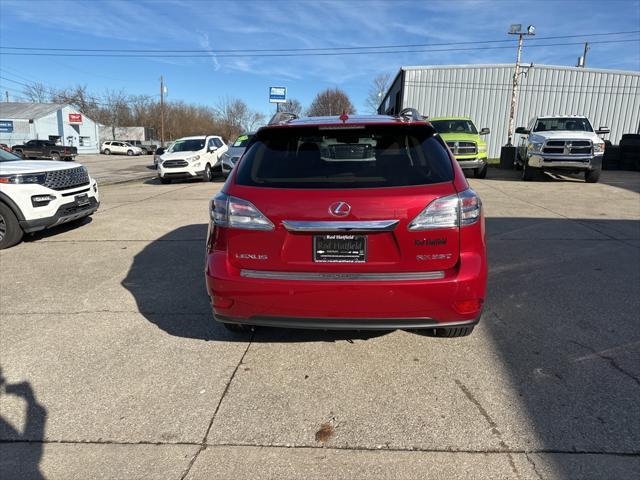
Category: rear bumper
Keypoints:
(346, 304)
(346, 323)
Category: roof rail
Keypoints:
(282, 117)
(410, 115)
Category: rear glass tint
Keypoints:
(345, 157)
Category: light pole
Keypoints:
(516, 29)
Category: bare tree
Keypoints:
(331, 102)
(37, 92)
(292, 106)
(235, 117)
(378, 88)
(78, 97)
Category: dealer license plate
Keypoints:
(340, 248)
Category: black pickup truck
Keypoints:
(44, 149)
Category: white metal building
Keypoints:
(483, 92)
(63, 124)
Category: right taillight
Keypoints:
(450, 211)
(233, 212)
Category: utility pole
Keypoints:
(584, 55)
(161, 111)
(6, 95)
(516, 30)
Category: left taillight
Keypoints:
(451, 211)
(232, 212)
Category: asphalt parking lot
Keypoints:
(111, 169)
(113, 368)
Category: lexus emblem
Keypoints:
(340, 209)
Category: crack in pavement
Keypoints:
(203, 444)
(490, 421)
(610, 360)
(534, 466)
(356, 448)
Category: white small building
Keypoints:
(63, 124)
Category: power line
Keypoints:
(126, 55)
(318, 49)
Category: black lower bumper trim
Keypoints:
(66, 213)
(182, 175)
(347, 323)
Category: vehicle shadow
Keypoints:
(184, 181)
(561, 314)
(167, 281)
(560, 318)
(21, 451)
(52, 232)
(616, 178)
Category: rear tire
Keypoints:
(107, 151)
(592, 176)
(129, 153)
(238, 327)
(480, 172)
(55, 156)
(454, 332)
(18, 153)
(10, 231)
(165, 181)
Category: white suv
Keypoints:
(123, 148)
(35, 195)
(192, 157)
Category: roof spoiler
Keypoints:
(411, 115)
(282, 117)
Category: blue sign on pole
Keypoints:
(6, 126)
(277, 94)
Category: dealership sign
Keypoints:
(75, 118)
(277, 94)
(6, 126)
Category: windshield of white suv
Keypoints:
(191, 145)
(573, 124)
(454, 126)
(358, 157)
(8, 157)
(242, 141)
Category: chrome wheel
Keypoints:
(3, 227)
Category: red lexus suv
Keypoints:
(350, 222)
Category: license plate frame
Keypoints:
(82, 200)
(340, 248)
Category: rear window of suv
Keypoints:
(345, 157)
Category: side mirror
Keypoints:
(485, 131)
(522, 131)
(213, 149)
(603, 131)
(160, 151)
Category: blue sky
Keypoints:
(263, 24)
